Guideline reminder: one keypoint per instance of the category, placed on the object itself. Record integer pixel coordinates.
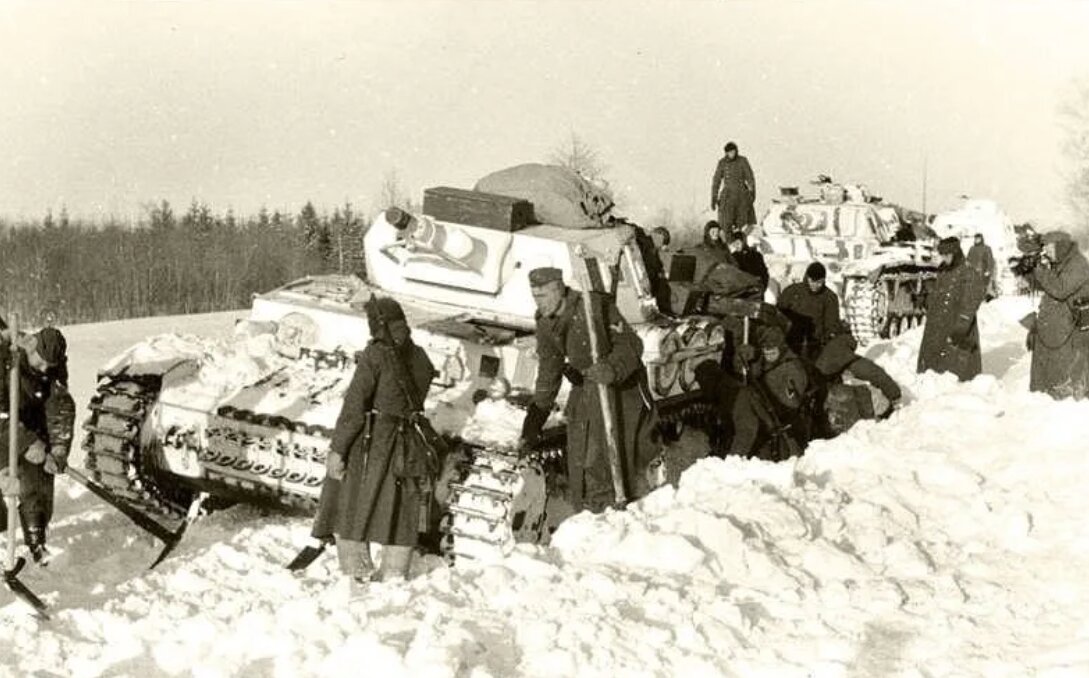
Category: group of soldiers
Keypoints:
(44, 423)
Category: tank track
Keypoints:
(886, 307)
(498, 500)
(112, 445)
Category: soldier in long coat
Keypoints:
(733, 190)
(563, 350)
(378, 461)
(951, 336)
(1060, 350)
(46, 421)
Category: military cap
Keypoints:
(545, 275)
(772, 337)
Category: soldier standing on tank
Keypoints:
(379, 460)
(563, 350)
(46, 420)
(733, 190)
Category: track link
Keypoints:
(113, 448)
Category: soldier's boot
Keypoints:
(395, 563)
(355, 559)
(34, 537)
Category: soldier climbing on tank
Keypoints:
(733, 190)
(564, 351)
(46, 420)
(748, 259)
(770, 417)
(382, 457)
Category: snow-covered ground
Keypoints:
(950, 540)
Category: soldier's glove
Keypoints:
(9, 485)
(54, 465)
(960, 332)
(334, 466)
(714, 204)
(35, 453)
(532, 426)
(600, 372)
(572, 374)
(1030, 340)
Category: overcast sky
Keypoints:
(106, 106)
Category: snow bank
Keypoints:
(949, 540)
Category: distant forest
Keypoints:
(67, 272)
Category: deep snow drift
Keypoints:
(950, 540)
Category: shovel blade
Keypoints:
(20, 590)
(308, 555)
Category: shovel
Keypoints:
(15, 565)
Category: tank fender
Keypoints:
(157, 356)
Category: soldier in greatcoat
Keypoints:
(951, 336)
(733, 190)
(564, 350)
(379, 462)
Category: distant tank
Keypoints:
(251, 419)
(879, 265)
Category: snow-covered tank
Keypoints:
(875, 262)
(250, 419)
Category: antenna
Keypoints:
(925, 215)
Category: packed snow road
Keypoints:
(949, 540)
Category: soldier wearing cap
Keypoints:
(46, 420)
(563, 351)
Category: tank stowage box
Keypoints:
(477, 209)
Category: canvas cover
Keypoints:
(560, 196)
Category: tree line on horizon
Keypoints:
(67, 271)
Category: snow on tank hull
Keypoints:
(250, 418)
(882, 284)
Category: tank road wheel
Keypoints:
(867, 309)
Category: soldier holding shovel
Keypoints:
(608, 411)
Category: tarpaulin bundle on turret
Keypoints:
(560, 196)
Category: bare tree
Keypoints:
(575, 153)
(1074, 118)
(392, 193)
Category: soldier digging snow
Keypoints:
(733, 190)
(768, 412)
(950, 336)
(381, 459)
(563, 350)
(46, 421)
